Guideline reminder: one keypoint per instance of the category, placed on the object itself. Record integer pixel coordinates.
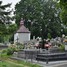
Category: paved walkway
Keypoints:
(64, 65)
(43, 64)
(53, 64)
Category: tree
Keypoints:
(4, 21)
(41, 17)
(3, 13)
(11, 30)
(63, 15)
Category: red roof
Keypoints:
(23, 29)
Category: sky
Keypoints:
(10, 1)
(12, 6)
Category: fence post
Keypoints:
(47, 61)
(31, 56)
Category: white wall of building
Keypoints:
(65, 47)
(21, 37)
(15, 37)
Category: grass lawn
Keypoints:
(16, 63)
(7, 62)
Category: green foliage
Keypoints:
(1, 39)
(4, 20)
(20, 46)
(62, 47)
(4, 51)
(3, 12)
(12, 28)
(7, 33)
(8, 52)
(39, 14)
(49, 36)
(63, 15)
(6, 28)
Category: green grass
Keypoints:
(27, 63)
(15, 63)
(7, 62)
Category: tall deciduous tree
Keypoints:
(63, 15)
(63, 5)
(41, 17)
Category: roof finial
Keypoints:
(21, 22)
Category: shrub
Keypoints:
(49, 35)
(4, 51)
(20, 46)
(10, 51)
(62, 47)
